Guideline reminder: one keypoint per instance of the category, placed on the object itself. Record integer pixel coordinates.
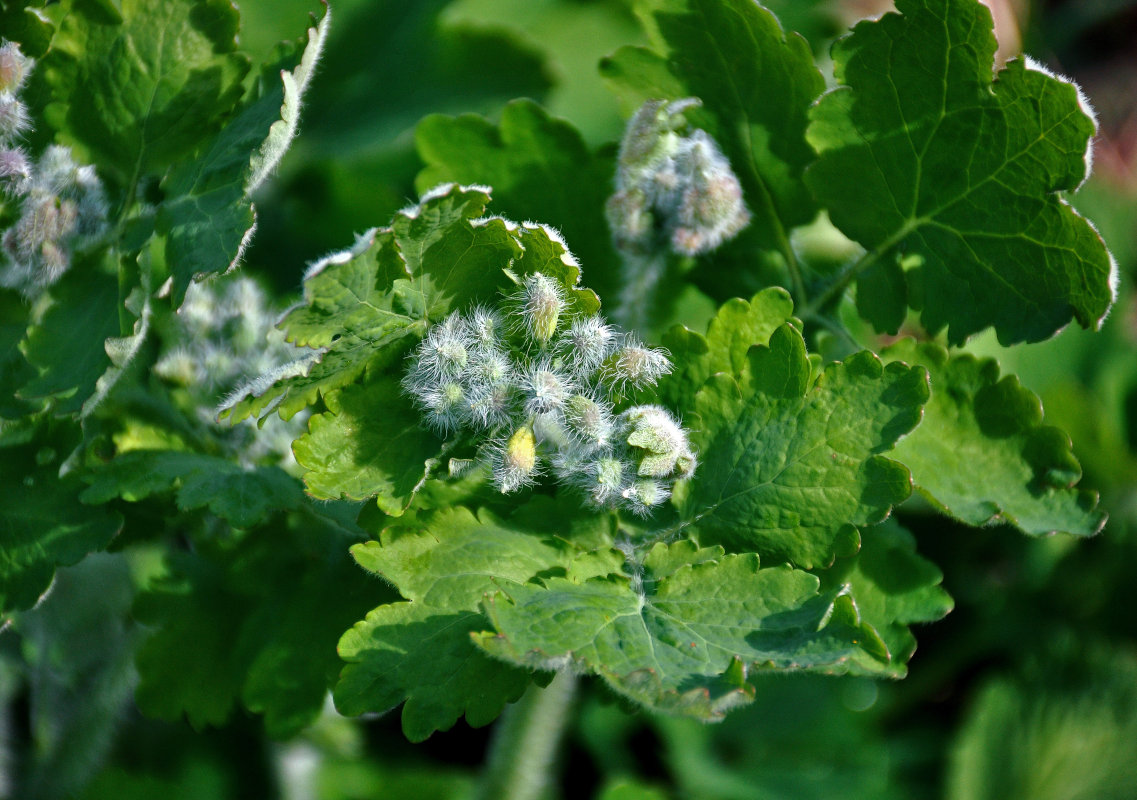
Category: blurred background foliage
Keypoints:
(1027, 690)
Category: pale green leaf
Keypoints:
(982, 453)
(419, 652)
(679, 640)
(790, 465)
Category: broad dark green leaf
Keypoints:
(679, 639)
(369, 443)
(893, 588)
(790, 466)
(254, 621)
(15, 370)
(419, 652)
(207, 217)
(242, 496)
(539, 168)
(756, 83)
(982, 453)
(140, 84)
(42, 524)
(922, 153)
(67, 346)
(730, 334)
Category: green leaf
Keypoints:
(790, 464)
(730, 334)
(207, 218)
(14, 368)
(756, 83)
(139, 86)
(256, 621)
(362, 304)
(67, 345)
(922, 153)
(679, 640)
(241, 496)
(370, 443)
(539, 168)
(42, 525)
(419, 652)
(893, 588)
(982, 453)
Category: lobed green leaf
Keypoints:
(681, 637)
(922, 154)
(982, 453)
(790, 464)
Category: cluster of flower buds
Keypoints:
(673, 191)
(540, 386)
(224, 333)
(61, 204)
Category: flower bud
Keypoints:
(15, 172)
(637, 365)
(515, 462)
(659, 442)
(589, 422)
(541, 305)
(546, 390)
(645, 494)
(14, 67)
(14, 121)
(586, 344)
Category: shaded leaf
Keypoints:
(982, 453)
(138, 87)
(893, 588)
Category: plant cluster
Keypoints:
(675, 465)
(543, 388)
(62, 205)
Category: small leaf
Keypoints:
(982, 453)
(920, 153)
(67, 345)
(682, 643)
(539, 168)
(787, 467)
(207, 217)
(361, 305)
(370, 443)
(730, 334)
(893, 588)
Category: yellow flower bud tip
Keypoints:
(515, 461)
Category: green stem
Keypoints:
(526, 740)
(851, 271)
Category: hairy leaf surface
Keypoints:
(982, 453)
(789, 465)
(921, 153)
(207, 216)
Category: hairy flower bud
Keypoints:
(515, 461)
(541, 302)
(645, 494)
(546, 389)
(660, 443)
(14, 67)
(586, 344)
(636, 365)
(14, 120)
(589, 422)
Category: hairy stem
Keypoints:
(526, 740)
